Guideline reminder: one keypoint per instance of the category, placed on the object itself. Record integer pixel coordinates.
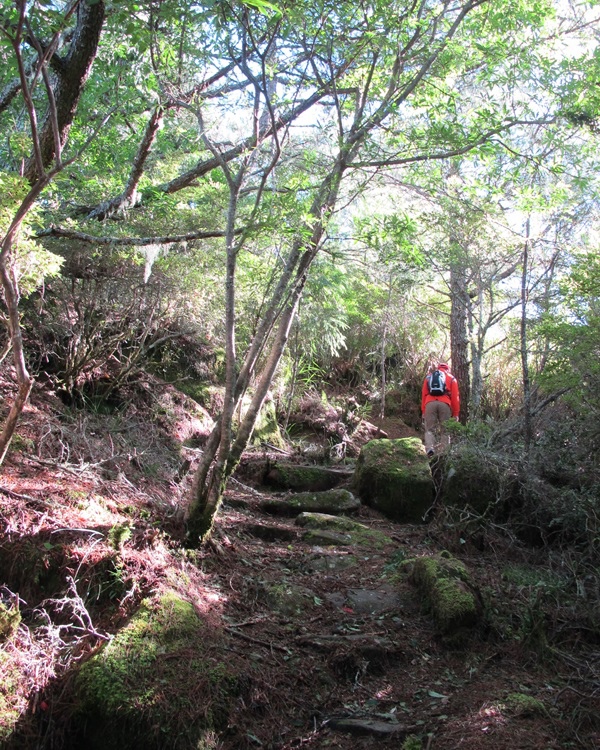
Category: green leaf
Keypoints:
(262, 6)
(434, 694)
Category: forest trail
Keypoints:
(341, 653)
(330, 644)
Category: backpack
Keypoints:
(437, 383)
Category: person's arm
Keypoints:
(424, 394)
(454, 398)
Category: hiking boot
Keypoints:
(430, 453)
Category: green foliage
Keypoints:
(573, 333)
(412, 743)
(393, 238)
(30, 261)
(262, 6)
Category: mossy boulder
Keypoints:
(288, 599)
(335, 502)
(322, 527)
(475, 481)
(394, 477)
(266, 429)
(153, 686)
(448, 591)
(288, 476)
(522, 705)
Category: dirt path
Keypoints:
(339, 654)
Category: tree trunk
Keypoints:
(459, 340)
(477, 340)
(70, 74)
(24, 380)
(221, 456)
(527, 429)
(384, 333)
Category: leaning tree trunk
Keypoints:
(212, 475)
(24, 380)
(10, 288)
(213, 472)
(63, 93)
(69, 74)
(202, 518)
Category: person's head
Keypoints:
(443, 366)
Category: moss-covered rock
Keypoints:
(326, 538)
(394, 477)
(298, 478)
(288, 599)
(266, 429)
(153, 686)
(348, 531)
(334, 501)
(448, 591)
(475, 481)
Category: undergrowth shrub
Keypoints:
(101, 321)
(549, 496)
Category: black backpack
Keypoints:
(437, 383)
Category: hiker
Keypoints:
(439, 401)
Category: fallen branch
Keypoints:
(256, 641)
(18, 496)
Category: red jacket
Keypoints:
(452, 399)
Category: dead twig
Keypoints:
(18, 496)
(256, 641)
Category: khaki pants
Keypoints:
(436, 413)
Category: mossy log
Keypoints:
(335, 501)
(287, 476)
(448, 591)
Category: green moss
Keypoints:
(455, 605)
(10, 619)
(267, 429)
(22, 444)
(525, 576)
(302, 478)
(448, 591)
(394, 476)
(10, 708)
(412, 743)
(520, 704)
(333, 501)
(476, 480)
(118, 535)
(153, 683)
(359, 533)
